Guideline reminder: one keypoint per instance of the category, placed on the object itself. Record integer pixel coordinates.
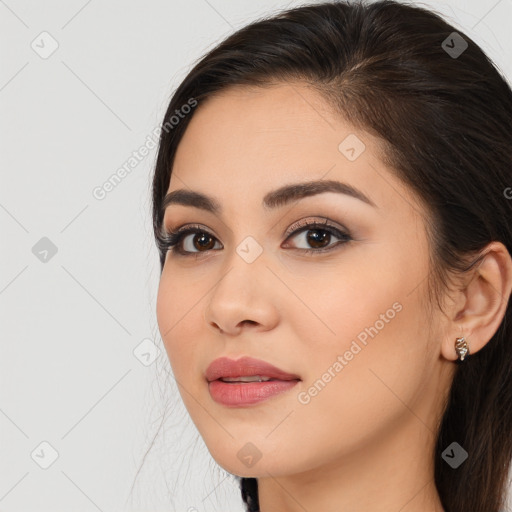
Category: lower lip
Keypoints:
(237, 394)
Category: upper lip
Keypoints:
(245, 367)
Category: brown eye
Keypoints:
(187, 241)
(318, 237)
(203, 241)
(196, 241)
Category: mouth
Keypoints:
(246, 381)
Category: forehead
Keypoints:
(244, 141)
(261, 131)
(278, 113)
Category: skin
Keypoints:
(364, 441)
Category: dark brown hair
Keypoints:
(446, 125)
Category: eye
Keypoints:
(194, 240)
(197, 240)
(318, 235)
(186, 240)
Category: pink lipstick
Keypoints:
(246, 381)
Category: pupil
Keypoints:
(201, 238)
(316, 238)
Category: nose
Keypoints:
(243, 298)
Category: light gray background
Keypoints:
(70, 325)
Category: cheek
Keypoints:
(367, 294)
(340, 301)
(364, 340)
(178, 314)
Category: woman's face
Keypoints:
(346, 318)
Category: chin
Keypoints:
(263, 467)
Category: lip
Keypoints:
(245, 367)
(237, 394)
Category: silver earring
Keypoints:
(461, 347)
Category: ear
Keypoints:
(480, 307)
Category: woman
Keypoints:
(344, 342)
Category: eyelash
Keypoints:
(171, 240)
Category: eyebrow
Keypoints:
(274, 199)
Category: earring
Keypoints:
(461, 347)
